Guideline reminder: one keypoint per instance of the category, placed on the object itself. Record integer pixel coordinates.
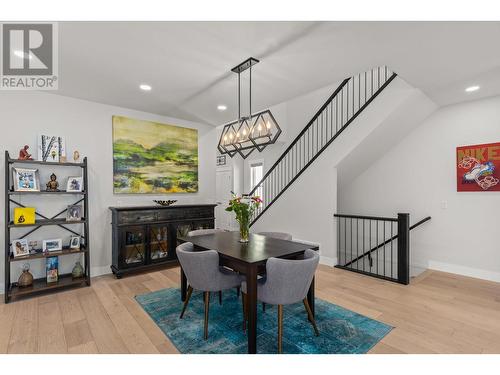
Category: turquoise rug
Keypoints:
(341, 331)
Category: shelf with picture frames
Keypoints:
(12, 192)
(61, 219)
(39, 255)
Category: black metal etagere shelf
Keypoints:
(12, 290)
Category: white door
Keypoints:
(223, 187)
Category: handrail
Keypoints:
(366, 217)
(369, 252)
(303, 131)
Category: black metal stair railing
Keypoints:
(350, 99)
(375, 246)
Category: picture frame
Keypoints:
(26, 179)
(221, 160)
(74, 184)
(75, 242)
(24, 215)
(52, 269)
(20, 248)
(51, 148)
(74, 213)
(52, 245)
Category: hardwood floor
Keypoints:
(437, 313)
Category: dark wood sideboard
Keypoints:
(145, 237)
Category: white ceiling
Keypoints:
(188, 63)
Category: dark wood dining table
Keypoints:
(248, 259)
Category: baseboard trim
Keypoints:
(99, 271)
(462, 270)
(327, 261)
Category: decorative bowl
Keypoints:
(164, 203)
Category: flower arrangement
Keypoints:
(244, 207)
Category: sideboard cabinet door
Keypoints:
(131, 246)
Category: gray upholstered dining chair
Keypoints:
(287, 282)
(202, 232)
(204, 274)
(279, 235)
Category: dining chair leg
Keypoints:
(188, 296)
(280, 329)
(206, 295)
(263, 307)
(238, 289)
(244, 307)
(311, 316)
(220, 297)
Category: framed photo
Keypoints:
(75, 184)
(52, 245)
(51, 148)
(75, 242)
(20, 248)
(52, 268)
(221, 160)
(74, 213)
(26, 179)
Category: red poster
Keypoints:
(478, 167)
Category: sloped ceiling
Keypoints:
(188, 63)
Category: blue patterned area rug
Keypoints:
(341, 331)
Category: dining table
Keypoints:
(249, 259)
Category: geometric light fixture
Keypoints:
(252, 132)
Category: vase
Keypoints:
(77, 271)
(244, 231)
(26, 278)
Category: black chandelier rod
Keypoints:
(239, 99)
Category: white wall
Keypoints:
(87, 127)
(418, 175)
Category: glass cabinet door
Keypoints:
(158, 241)
(132, 246)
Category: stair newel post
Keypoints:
(404, 248)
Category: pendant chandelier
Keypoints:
(251, 132)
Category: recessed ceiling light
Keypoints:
(145, 87)
(222, 107)
(472, 88)
(22, 55)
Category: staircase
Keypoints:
(340, 110)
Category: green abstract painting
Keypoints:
(153, 158)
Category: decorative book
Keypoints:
(52, 266)
(24, 215)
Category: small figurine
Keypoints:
(53, 185)
(76, 156)
(24, 154)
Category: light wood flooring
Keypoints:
(437, 313)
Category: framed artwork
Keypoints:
(74, 184)
(74, 213)
(74, 242)
(153, 158)
(51, 148)
(52, 269)
(478, 167)
(52, 245)
(24, 215)
(221, 160)
(20, 248)
(26, 179)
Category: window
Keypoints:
(256, 174)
